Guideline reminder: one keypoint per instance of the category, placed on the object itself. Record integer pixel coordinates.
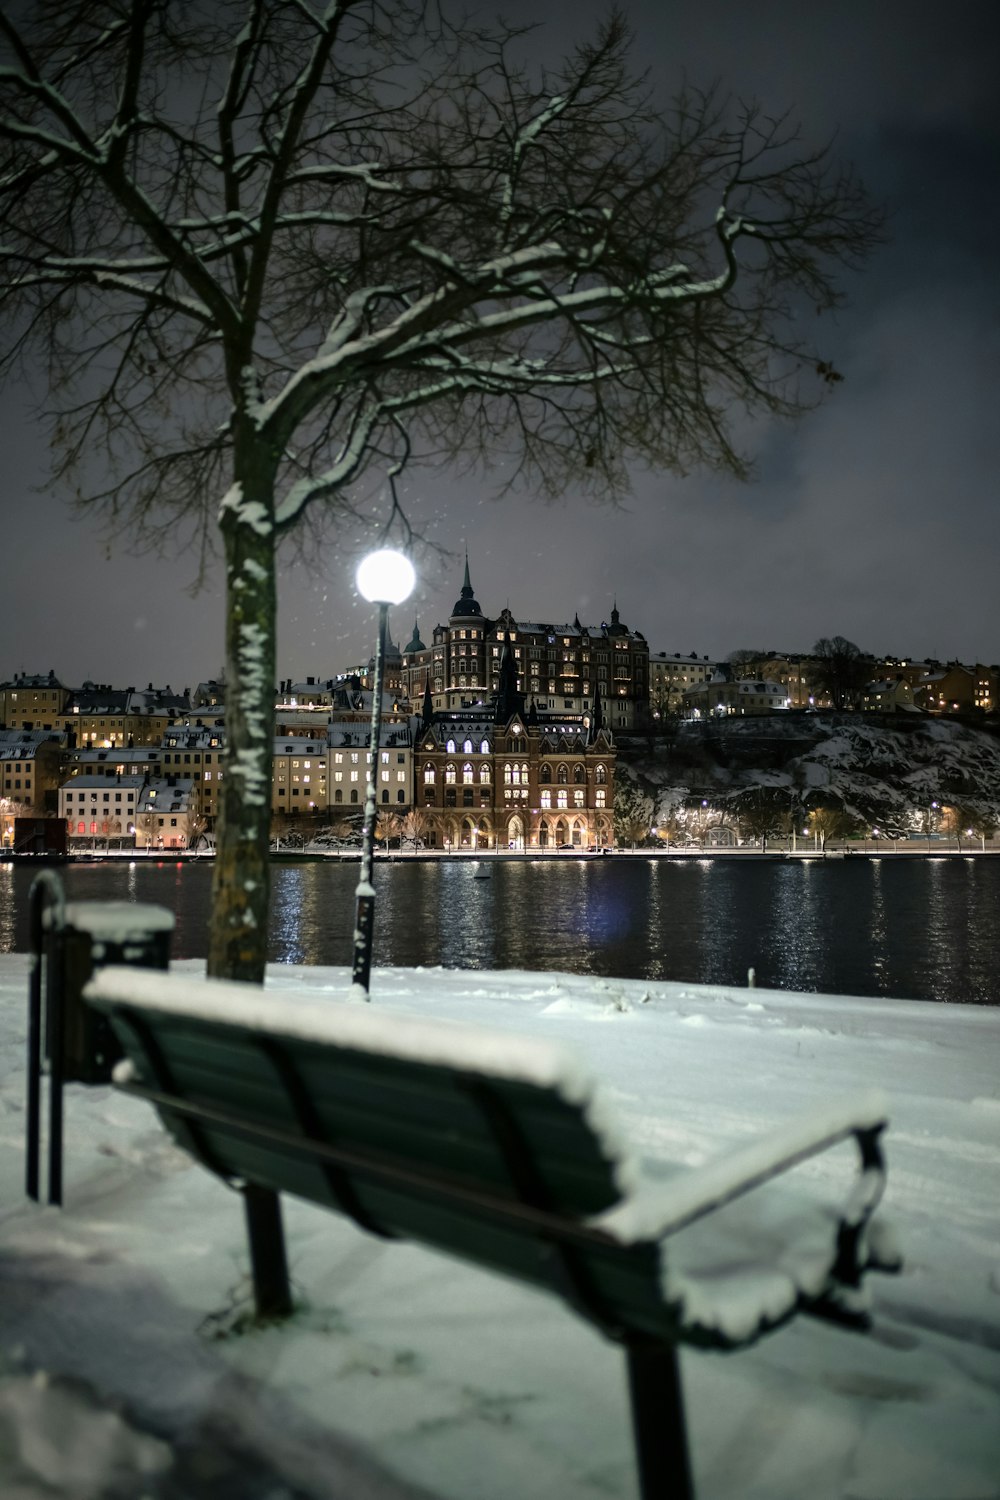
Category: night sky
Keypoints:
(875, 517)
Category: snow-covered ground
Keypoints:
(128, 1369)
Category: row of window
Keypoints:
(518, 794)
(338, 796)
(514, 773)
(105, 796)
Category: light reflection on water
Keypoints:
(925, 928)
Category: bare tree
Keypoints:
(747, 663)
(839, 671)
(197, 824)
(388, 826)
(633, 812)
(828, 820)
(414, 826)
(145, 827)
(760, 813)
(271, 253)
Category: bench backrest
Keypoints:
(270, 1081)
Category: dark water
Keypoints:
(920, 928)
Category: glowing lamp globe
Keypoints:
(385, 577)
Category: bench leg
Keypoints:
(658, 1422)
(272, 1294)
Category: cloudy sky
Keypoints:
(876, 517)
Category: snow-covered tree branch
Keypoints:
(270, 252)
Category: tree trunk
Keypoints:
(241, 882)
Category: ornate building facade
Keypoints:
(501, 777)
(562, 668)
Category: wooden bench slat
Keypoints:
(424, 1113)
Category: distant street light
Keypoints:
(383, 578)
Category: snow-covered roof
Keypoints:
(160, 795)
(104, 783)
(679, 658)
(36, 680)
(115, 755)
(358, 736)
(299, 745)
(23, 744)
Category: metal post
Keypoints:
(364, 925)
(55, 1028)
(46, 893)
(268, 1263)
(64, 1035)
(658, 1422)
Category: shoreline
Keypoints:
(515, 856)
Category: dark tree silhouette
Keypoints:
(840, 670)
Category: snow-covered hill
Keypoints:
(874, 774)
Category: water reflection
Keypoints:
(924, 927)
(879, 930)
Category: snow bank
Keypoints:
(405, 1374)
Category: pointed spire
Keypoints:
(508, 700)
(597, 724)
(533, 715)
(415, 643)
(427, 713)
(466, 605)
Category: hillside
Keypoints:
(889, 772)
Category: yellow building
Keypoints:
(299, 777)
(33, 702)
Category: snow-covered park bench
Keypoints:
(501, 1150)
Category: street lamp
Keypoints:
(383, 578)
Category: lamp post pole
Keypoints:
(383, 578)
(364, 925)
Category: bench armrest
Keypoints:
(658, 1209)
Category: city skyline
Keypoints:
(870, 519)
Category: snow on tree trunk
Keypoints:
(238, 941)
